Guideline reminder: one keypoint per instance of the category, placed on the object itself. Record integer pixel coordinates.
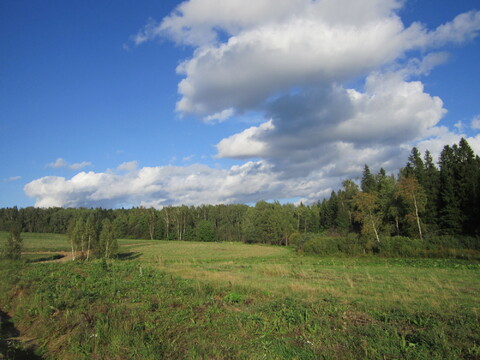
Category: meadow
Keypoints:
(191, 300)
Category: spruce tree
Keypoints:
(415, 167)
(450, 214)
(467, 186)
(368, 180)
(432, 189)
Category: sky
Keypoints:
(156, 103)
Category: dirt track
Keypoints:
(66, 255)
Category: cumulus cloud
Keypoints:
(313, 130)
(246, 54)
(289, 62)
(161, 186)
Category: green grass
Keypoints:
(40, 242)
(182, 300)
(36, 242)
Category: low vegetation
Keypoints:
(190, 300)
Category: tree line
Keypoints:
(424, 199)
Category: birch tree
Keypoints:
(367, 213)
(412, 192)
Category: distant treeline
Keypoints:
(424, 200)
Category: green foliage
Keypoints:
(233, 298)
(399, 246)
(319, 245)
(13, 247)
(391, 246)
(108, 245)
(368, 180)
(205, 231)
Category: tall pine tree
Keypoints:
(450, 214)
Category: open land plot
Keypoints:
(236, 301)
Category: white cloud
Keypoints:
(128, 166)
(459, 125)
(247, 183)
(57, 163)
(220, 116)
(343, 127)
(475, 124)
(463, 28)
(441, 136)
(12, 178)
(425, 65)
(246, 54)
(199, 22)
(246, 144)
(81, 165)
(160, 186)
(62, 163)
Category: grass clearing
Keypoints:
(175, 300)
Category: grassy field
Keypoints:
(187, 300)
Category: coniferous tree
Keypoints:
(368, 180)
(415, 167)
(467, 185)
(346, 207)
(449, 203)
(333, 205)
(432, 189)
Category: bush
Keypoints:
(295, 238)
(14, 245)
(318, 244)
(453, 247)
(399, 246)
(352, 245)
(452, 242)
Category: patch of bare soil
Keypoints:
(63, 256)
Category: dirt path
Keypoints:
(65, 255)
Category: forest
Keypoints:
(425, 203)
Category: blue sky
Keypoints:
(267, 105)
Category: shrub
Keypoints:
(318, 244)
(399, 246)
(352, 245)
(14, 245)
(452, 242)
